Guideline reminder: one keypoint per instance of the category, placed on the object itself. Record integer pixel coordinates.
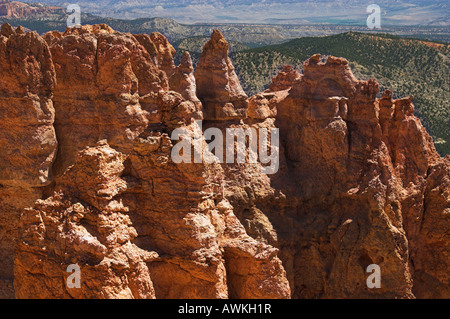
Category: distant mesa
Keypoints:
(20, 10)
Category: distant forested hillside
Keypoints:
(407, 66)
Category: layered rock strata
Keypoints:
(103, 209)
(88, 178)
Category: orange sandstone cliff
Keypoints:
(87, 178)
(20, 10)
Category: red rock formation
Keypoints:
(109, 76)
(359, 169)
(285, 79)
(204, 245)
(27, 80)
(105, 210)
(82, 224)
(164, 53)
(353, 189)
(183, 80)
(27, 139)
(218, 86)
(147, 43)
(359, 181)
(425, 179)
(347, 193)
(20, 10)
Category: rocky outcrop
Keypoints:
(218, 86)
(285, 79)
(135, 223)
(206, 251)
(358, 172)
(28, 142)
(183, 80)
(113, 87)
(88, 178)
(81, 224)
(27, 80)
(164, 53)
(346, 188)
(352, 189)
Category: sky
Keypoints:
(393, 12)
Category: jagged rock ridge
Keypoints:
(86, 177)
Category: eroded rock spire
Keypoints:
(218, 86)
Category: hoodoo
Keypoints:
(218, 86)
(87, 178)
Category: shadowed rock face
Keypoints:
(218, 86)
(87, 178)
